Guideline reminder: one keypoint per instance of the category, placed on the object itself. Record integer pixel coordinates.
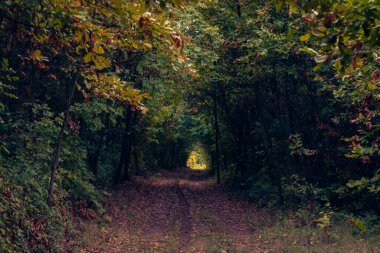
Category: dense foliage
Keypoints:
(292, 88)
(280, 98)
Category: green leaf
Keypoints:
(309, 50)
(317, 67)
(320, 58)
(351, 155)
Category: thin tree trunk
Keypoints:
(173, 156)
(232, 125)
(127, 159)
(240, 151)
(216, 126)
(224, 160)
(96, 155)
(169, 155)
(136, 158)
(58, 149)
(212, 163)
(119, 175)
(177, 151)
(128, 155)
(238, 8)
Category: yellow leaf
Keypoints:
(79, 48)
(98, 50)
(146, 95)
(372, 86)
(279, 6)
(88, 57)
(147, 14)
(148, 45)
(337, 65)
(101, 62)
(78, 37)
(37, 56)
(305, 37)
(292, 8)
(134, 45)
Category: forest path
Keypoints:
(172, 212)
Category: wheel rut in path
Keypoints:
(185, 232)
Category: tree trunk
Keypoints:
(223, 153)
(212, 172)
(121, 171)
(58, 149)
(169, 155)
(128, 156)
(136, 158)
(173, 156)
(238, 8)
(93, 158)
(216, 126)
(236, 151)
(176, 160)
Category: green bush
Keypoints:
(27, 224)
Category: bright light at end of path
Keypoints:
(196, 161)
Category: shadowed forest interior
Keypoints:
(189, 126)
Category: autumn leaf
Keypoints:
(101, 62)
(148, 45)
(88, 57)
(37, 56)
(98, 50)
(305, 37)
(78, 37)
(52, 76)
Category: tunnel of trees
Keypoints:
(281, 96)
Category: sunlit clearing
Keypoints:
(196, 161)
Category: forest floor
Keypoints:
(183, 211)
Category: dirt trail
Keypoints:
(179, 211)
(185, 219)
